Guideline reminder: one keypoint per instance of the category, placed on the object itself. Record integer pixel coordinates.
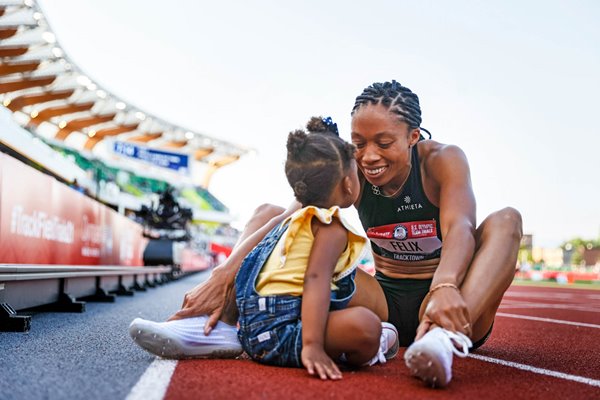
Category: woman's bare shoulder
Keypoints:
(435, 155)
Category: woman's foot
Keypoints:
(185, 338)
(430, 358)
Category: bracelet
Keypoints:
(442, 285)
(433, 289)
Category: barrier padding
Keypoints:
(43, 221)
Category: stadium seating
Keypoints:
(57, 120)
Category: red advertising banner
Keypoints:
(43, 221)
(127, 244)
(21, 221)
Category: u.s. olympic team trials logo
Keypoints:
(400, 232)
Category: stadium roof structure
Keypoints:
(50, 96)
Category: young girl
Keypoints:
(294, 290)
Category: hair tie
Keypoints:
(300, 188)
(331, 126)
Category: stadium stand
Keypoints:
(81, 172)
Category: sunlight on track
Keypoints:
(154, 382)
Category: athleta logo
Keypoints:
(407, 199)
(400, 232)
(409, 206)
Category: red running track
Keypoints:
(555, 355)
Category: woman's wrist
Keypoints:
(439, 286)
(442, 285)
(444, 277)
(225, 271)
(432, 290)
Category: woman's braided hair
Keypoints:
(396, 98)
(316, 161)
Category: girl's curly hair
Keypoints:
(316, 160)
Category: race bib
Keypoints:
(407, 241)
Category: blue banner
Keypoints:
(165, 159)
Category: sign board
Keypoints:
(160, 158)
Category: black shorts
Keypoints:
(404, 298)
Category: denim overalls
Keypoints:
(270, 326)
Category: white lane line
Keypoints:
(541, 371)
(547, 296)
(551, 306)
(154, 382)
(553, 296)
(555, 321)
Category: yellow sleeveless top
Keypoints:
(283, 272)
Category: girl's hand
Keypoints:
(446, 308)
(317, 361)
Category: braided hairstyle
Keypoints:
(316, 161)
(396, 98)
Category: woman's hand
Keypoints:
(317, 361)
(208, 298)
(447, 309)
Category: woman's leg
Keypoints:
(183, 336)
(492, 269)
(262, 214)
(489, 275)
(355, 332)
(369, 294)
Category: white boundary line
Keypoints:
(153, 384)
(541, 371)
(555, 321)
(551, 307)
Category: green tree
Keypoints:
(578, 245)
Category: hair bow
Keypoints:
(331, 126)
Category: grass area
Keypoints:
(577, 285)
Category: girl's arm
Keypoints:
(330, 241)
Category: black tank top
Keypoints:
(404, 227)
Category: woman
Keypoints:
(414, 194)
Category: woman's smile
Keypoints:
(374, 172)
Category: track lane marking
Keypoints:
(555, 321)
(553, 296)
(154, 382)
(551, 306)
(541, 371)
